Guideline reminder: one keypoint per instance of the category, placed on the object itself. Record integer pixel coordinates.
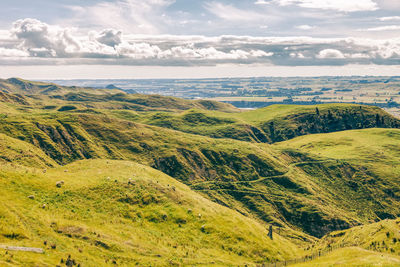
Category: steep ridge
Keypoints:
(13, 98)
(17, 152)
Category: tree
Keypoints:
(317, 111)
(377, 120)
(270, 232)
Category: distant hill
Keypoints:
(20, 86)
(275, 123)
(112, 86)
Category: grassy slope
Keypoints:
(353, 256)
(375, 149)
(382, 236)
(16, 152)
(98, 217)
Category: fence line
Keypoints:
(307, 258)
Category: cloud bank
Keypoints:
(31, 41)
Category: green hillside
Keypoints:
(125, 212)
(376, 150)
(158, 180)
(252, 178)
(353, 256)
(382, 236)
(376, 244)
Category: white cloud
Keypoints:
(389, 18)
(40, 38)
(330, 54)
(304, 27)
(382, 28)
(232, 13)
(138, 50)
(262, 2)
(390, 5)
(297, 55)
(136, 16)
(338, 5)
(358, 56)
(5, 52)
(36, 41)
(110, 37)
(260, 53)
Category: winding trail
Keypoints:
(290, 170)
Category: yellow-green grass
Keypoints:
(382, 236)
(376, 148)
(353, 256)
(276, 111)
(18, 152)
(270, 112)
(123, 211)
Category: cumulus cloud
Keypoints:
(304, 27)
(338, 5)
(38, 38)
(35, 41)
(110, 37)
(330, 53)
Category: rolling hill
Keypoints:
(118, 211)
(153, 180)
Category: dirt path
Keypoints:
(26, 249)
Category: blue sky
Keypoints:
(134, 34)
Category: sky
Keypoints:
(65, 39)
